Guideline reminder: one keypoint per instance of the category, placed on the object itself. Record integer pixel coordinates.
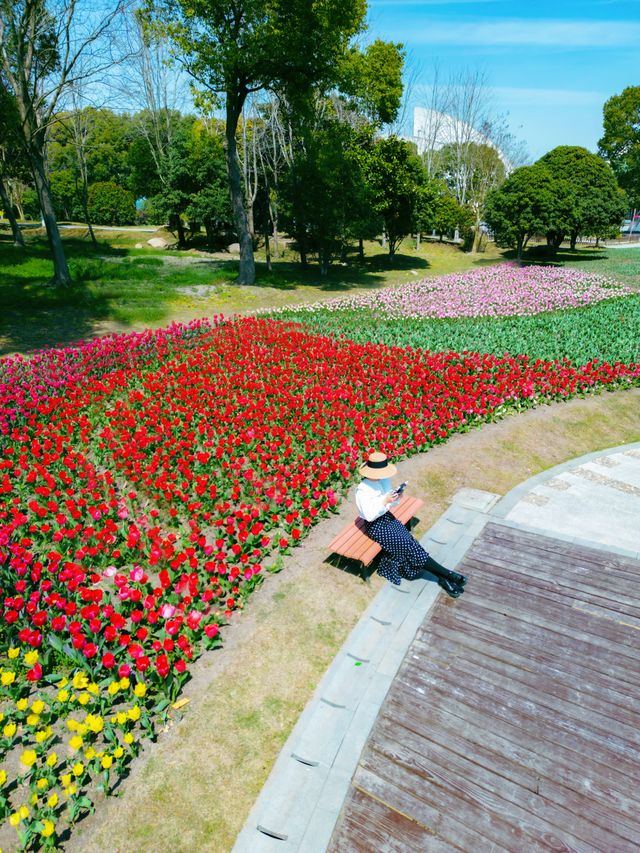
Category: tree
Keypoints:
(209, 205)
(587, 198)
(395, 176)
(324, 194)
(11, 164)
(449, 216)
(471, 171)
(373, 79)
(110, 204)
(234, 49)
(620, 144)
(47, 46)
(521, 207)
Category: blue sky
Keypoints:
(550, 65)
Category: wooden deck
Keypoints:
(514, 721)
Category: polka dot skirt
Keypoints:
(402, 555)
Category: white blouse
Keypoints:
(370, 496)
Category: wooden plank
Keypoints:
(514, 721)
(561, 674)
(496, 777)
(555, 719)
(485, 563)
(385, 829)
(477, 615)
(504, 765)
(446, 806)
(587, 778)
(616, 637)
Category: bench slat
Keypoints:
(353, 543)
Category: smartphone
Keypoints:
(401, 488)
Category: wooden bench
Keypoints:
(353, 542)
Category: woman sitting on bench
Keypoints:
(402, 555)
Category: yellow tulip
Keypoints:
(63, 695)
(63, 683)
(48, 828)
(128, 738)
(118, 752)
(13, 653)
(9, 730)
(34, 799)
(52, 759)
(14, 820)
(84, 698)
(124, 683)
(52, 802)
(38, 706)
(22, 704)
(78, 769)
(94, 723)
(72, 724)
(80, 681)
(24, 812)
(7, 677)
(93, 688)
(65, 780)
(31, 657)
(90, 753)
(75, 742)
(106, 762)
(28, 757)
(3, 777)
(113, 688)
(140, 690)
(134, 713)
(70, 790)
(121, 718)
(42, 784)
(33, 720)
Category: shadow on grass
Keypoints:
(373, 272)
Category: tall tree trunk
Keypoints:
(477, 233)
(574, 240)
(18, 239)
(519, 247)
(418, 235)
(61, 274)
(361, 250)
(85, 210)
(247, 272)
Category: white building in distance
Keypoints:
(432, 130)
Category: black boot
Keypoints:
(450, 588)
(439, 571)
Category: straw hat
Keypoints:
(378, 467)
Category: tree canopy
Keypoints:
(620, 143)
(521, 207)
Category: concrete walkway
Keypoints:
(593, 501)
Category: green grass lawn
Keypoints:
(118, 286)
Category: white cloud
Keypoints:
(547, 33)
(547, 97)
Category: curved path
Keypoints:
(505, 720)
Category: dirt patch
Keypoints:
(194, 788)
